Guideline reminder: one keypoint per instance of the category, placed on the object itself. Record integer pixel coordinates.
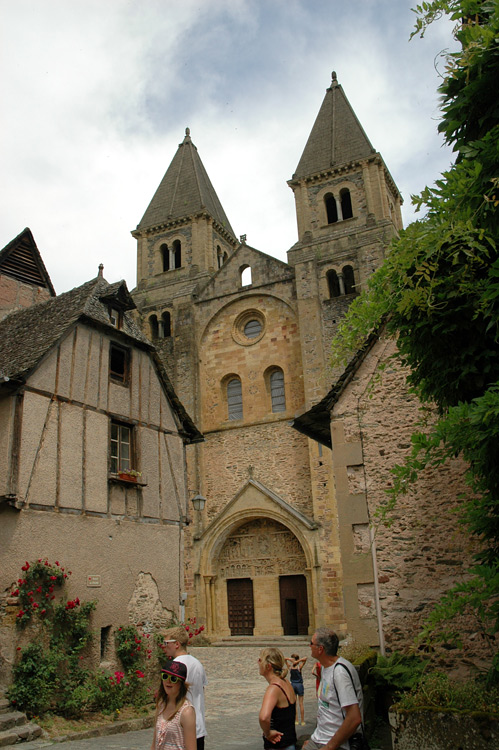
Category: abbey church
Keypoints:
(245, 339)
(211, 382)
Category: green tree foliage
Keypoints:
(438, 291)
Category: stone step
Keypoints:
(283, 641)
(5, 706)
(16, 734)
(12, 719)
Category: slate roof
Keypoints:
(27, 335)
(337, 136)
(184, 190)
(21, 260)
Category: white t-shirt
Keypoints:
(196, 677)
(329, 715)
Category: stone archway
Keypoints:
(262, 580)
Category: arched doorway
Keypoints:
(263, 576)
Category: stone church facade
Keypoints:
(245, 339)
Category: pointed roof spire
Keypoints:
(337, 136)
(184, 190)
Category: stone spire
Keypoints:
(337, 136)
(185, 190)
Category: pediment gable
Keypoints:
(264, 269)
(254, 499)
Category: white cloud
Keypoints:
(98, 95)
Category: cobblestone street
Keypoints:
(233, 699)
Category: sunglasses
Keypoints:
(171, 641)
(173, 678)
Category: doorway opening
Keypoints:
(294, 604)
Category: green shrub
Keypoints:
(398, 672)
(34, 680)
(437, 691)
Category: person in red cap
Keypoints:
(175, 722)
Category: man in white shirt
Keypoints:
(339, 700)
(174, 645)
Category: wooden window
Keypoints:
(115, 317)
(277, 394)
(234, 399)
(121, 447)
(119, 363)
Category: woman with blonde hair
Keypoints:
(175, 721)
(278, 711)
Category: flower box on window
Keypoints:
(130, 476)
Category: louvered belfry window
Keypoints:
(235, 399)
(277, 394)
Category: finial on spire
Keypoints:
(334, 79)
(187, 131)
(101, 269)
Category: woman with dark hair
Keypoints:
(296, 665)
(278, 711)
(175, 722)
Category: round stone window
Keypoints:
(248, 327)
(252, 329)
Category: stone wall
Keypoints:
(15, 294)
(425, 550)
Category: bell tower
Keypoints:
(183, 238)
(184, 234)
(348, 209)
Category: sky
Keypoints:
(96, 96)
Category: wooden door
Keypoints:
(240, 606)
(294, 604)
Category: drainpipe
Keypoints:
(376, 592)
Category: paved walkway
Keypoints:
(233, 699)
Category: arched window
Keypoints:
(153, 326)
(331, 209)
(177, 254)
(349, 280)
(234, 399)
(165, 257)
(167, 324)
(277, 394)
(346, 203)
(333, 284)
(246, 276)
(220, 258)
